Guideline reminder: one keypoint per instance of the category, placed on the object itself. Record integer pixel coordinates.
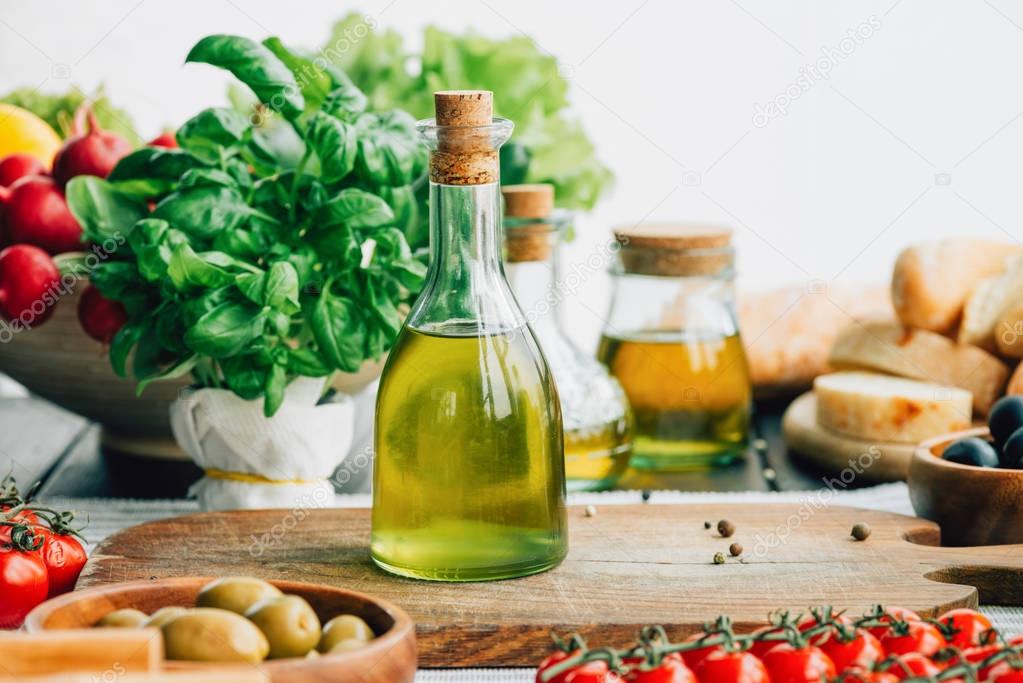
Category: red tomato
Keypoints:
(64, 557)
(857, 675)
(670, 670)
(810, 622)
(789, 664)
(893, 614)
(912, 665)
(1005, 672)
(921, 636)
(592, 672)
(970, 627)
(863, 650)
(976, 655)
(762, 647)
(693, 657)
(23, 584)
(596, 668)
(732, 667)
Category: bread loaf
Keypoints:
(931, 281)
(921, 355)
(990, 299)
(881, 407)
(1009, 332)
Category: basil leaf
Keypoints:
(356, 208)
(334, 143)
(244, 244)
(225, 330)
(152, 171)
(389, 151)
(307, 363)
(384, 310)
(245, 376)
(314, 81)
(122, 344)
(208, 132)
(339, 331)
(281, 289)
(206, 177)
(179, 369)
(252, 285)
(204, 211)
(103, 211)
(146, 360)
(276, 382)
(255, 66)
(188, 269)
(345, 101)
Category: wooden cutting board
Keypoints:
(629, 566)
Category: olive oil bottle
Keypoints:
(469, 477)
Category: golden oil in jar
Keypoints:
(597, 457)
(469, 463)
(690, 396)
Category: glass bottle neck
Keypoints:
(535, 287)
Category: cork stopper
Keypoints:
(465, 153)
(675, 249)
(531, 241)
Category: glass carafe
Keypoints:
(598, 434)
(672, 340)
(469, 477)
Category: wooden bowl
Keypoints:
(390, 658)
(973, 505)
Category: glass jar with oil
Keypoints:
(672, 340)
(597, 421)
(469, 476)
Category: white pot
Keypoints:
(252, 461)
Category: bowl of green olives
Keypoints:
(971, 482)
(296, 632)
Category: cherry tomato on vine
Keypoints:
(787, 663)
(976, 655)
(857, 675)
(893, 614)
(807, 623)
(1006, 672)
(732, 667)
(912, 665)
(762, 647)
(23, 584)
(592, 672)
(969, 627)
(919, 636)
(597, 668)
(862, 650)
(64, 557)
(670, 670)
(692, 658)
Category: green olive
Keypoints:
(342, 628)
(205, 634)
(289, 624)
(162, 616)
(235, 593)
(347, 645)
(123, 618)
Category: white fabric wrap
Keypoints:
(297, 449)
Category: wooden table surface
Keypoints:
(42, 442)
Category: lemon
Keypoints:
(23, 132)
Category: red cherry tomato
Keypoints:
(787, 663)
(975, 655)
(863, 650)
(969, 627)
(560, 656)
(912, 665)
(592, 672)
(23, 584)
(1008, 671)
(692, 658)
(670, 670)
(760, 648)
(857, 675)
(732, 667)
(921, 636)
(893, 614)
(810, 622)
(64, 557)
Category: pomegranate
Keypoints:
(94, 152)
(16, 166)
(29, 284)
(100, 317)
(35, 212)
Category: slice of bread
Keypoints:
(870, 406)
(924, 356)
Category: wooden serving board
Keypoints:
(832, 453)
(629, 566)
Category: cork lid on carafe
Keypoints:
(675, 249)
(465, 153)
(528, 236)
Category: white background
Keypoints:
(915, 134)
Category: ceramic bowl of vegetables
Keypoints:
(295, 632)
(971, 482)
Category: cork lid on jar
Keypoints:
(675, 249)
(529, 236)
(465, 154)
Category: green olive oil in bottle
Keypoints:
(469, 477)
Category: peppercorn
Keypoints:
(719, 558)
(735, 549)
(706, 525)
(726, 528)
(861, 531)
(591, 511)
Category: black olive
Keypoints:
(1005, 418)
(973, 451)
(1012, 452)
